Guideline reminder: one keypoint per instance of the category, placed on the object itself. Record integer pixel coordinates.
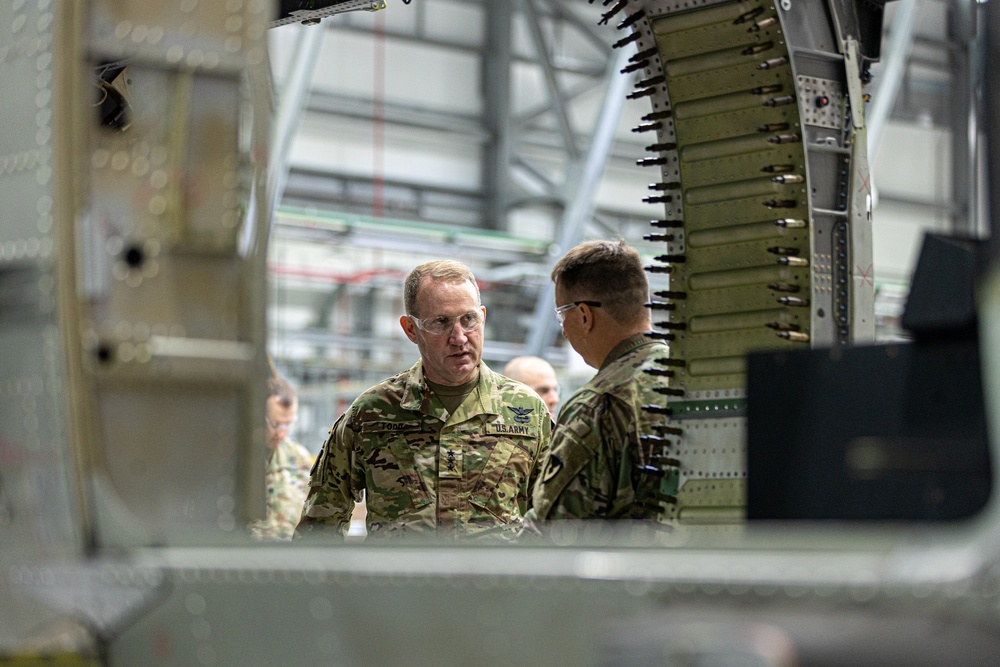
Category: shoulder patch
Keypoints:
(553, 466)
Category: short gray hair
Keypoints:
(446, 270)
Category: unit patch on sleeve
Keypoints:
(552, 468)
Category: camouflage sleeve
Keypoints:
(581, 474)
(331, 498)
(286, 480)
(619, 451)
(525, 501)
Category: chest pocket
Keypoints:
(389, 454)
(503, 477)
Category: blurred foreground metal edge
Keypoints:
(131, 279)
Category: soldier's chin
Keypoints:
(463, 364)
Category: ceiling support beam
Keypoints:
(292, 101)
(556, 97)
(583, 177)
(496, 76)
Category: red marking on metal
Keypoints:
(866, 275)
(865, 182)
(163, 646)
(16, 455)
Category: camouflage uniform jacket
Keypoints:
(594, 465)
(424, 470)
(287, 480)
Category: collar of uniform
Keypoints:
(624, 347)
(489, 394)
(416, 389)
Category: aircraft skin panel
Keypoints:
(133, 319)
(42, 518)
(854, 253)
(215, 36)
(172, 323)
(755, 150)
(39, 509)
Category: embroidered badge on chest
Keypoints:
(450, 463)
(521, 414)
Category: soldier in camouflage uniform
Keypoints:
(288, 463)
(597, 466)
(447, 447)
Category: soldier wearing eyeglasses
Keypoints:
(286, 475)
(448, 447)
(597, 465)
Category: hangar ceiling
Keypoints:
(520, 84)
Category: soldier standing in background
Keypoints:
(537, 374)
(597, 466)
(448, 447)
(288, 465)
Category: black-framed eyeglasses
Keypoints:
(442, 324)
(562, 310)
(279, 426)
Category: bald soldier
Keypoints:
(448, 447)
(537, 374)
(597, 465)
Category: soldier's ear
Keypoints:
(586, 317)
(409, 328)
